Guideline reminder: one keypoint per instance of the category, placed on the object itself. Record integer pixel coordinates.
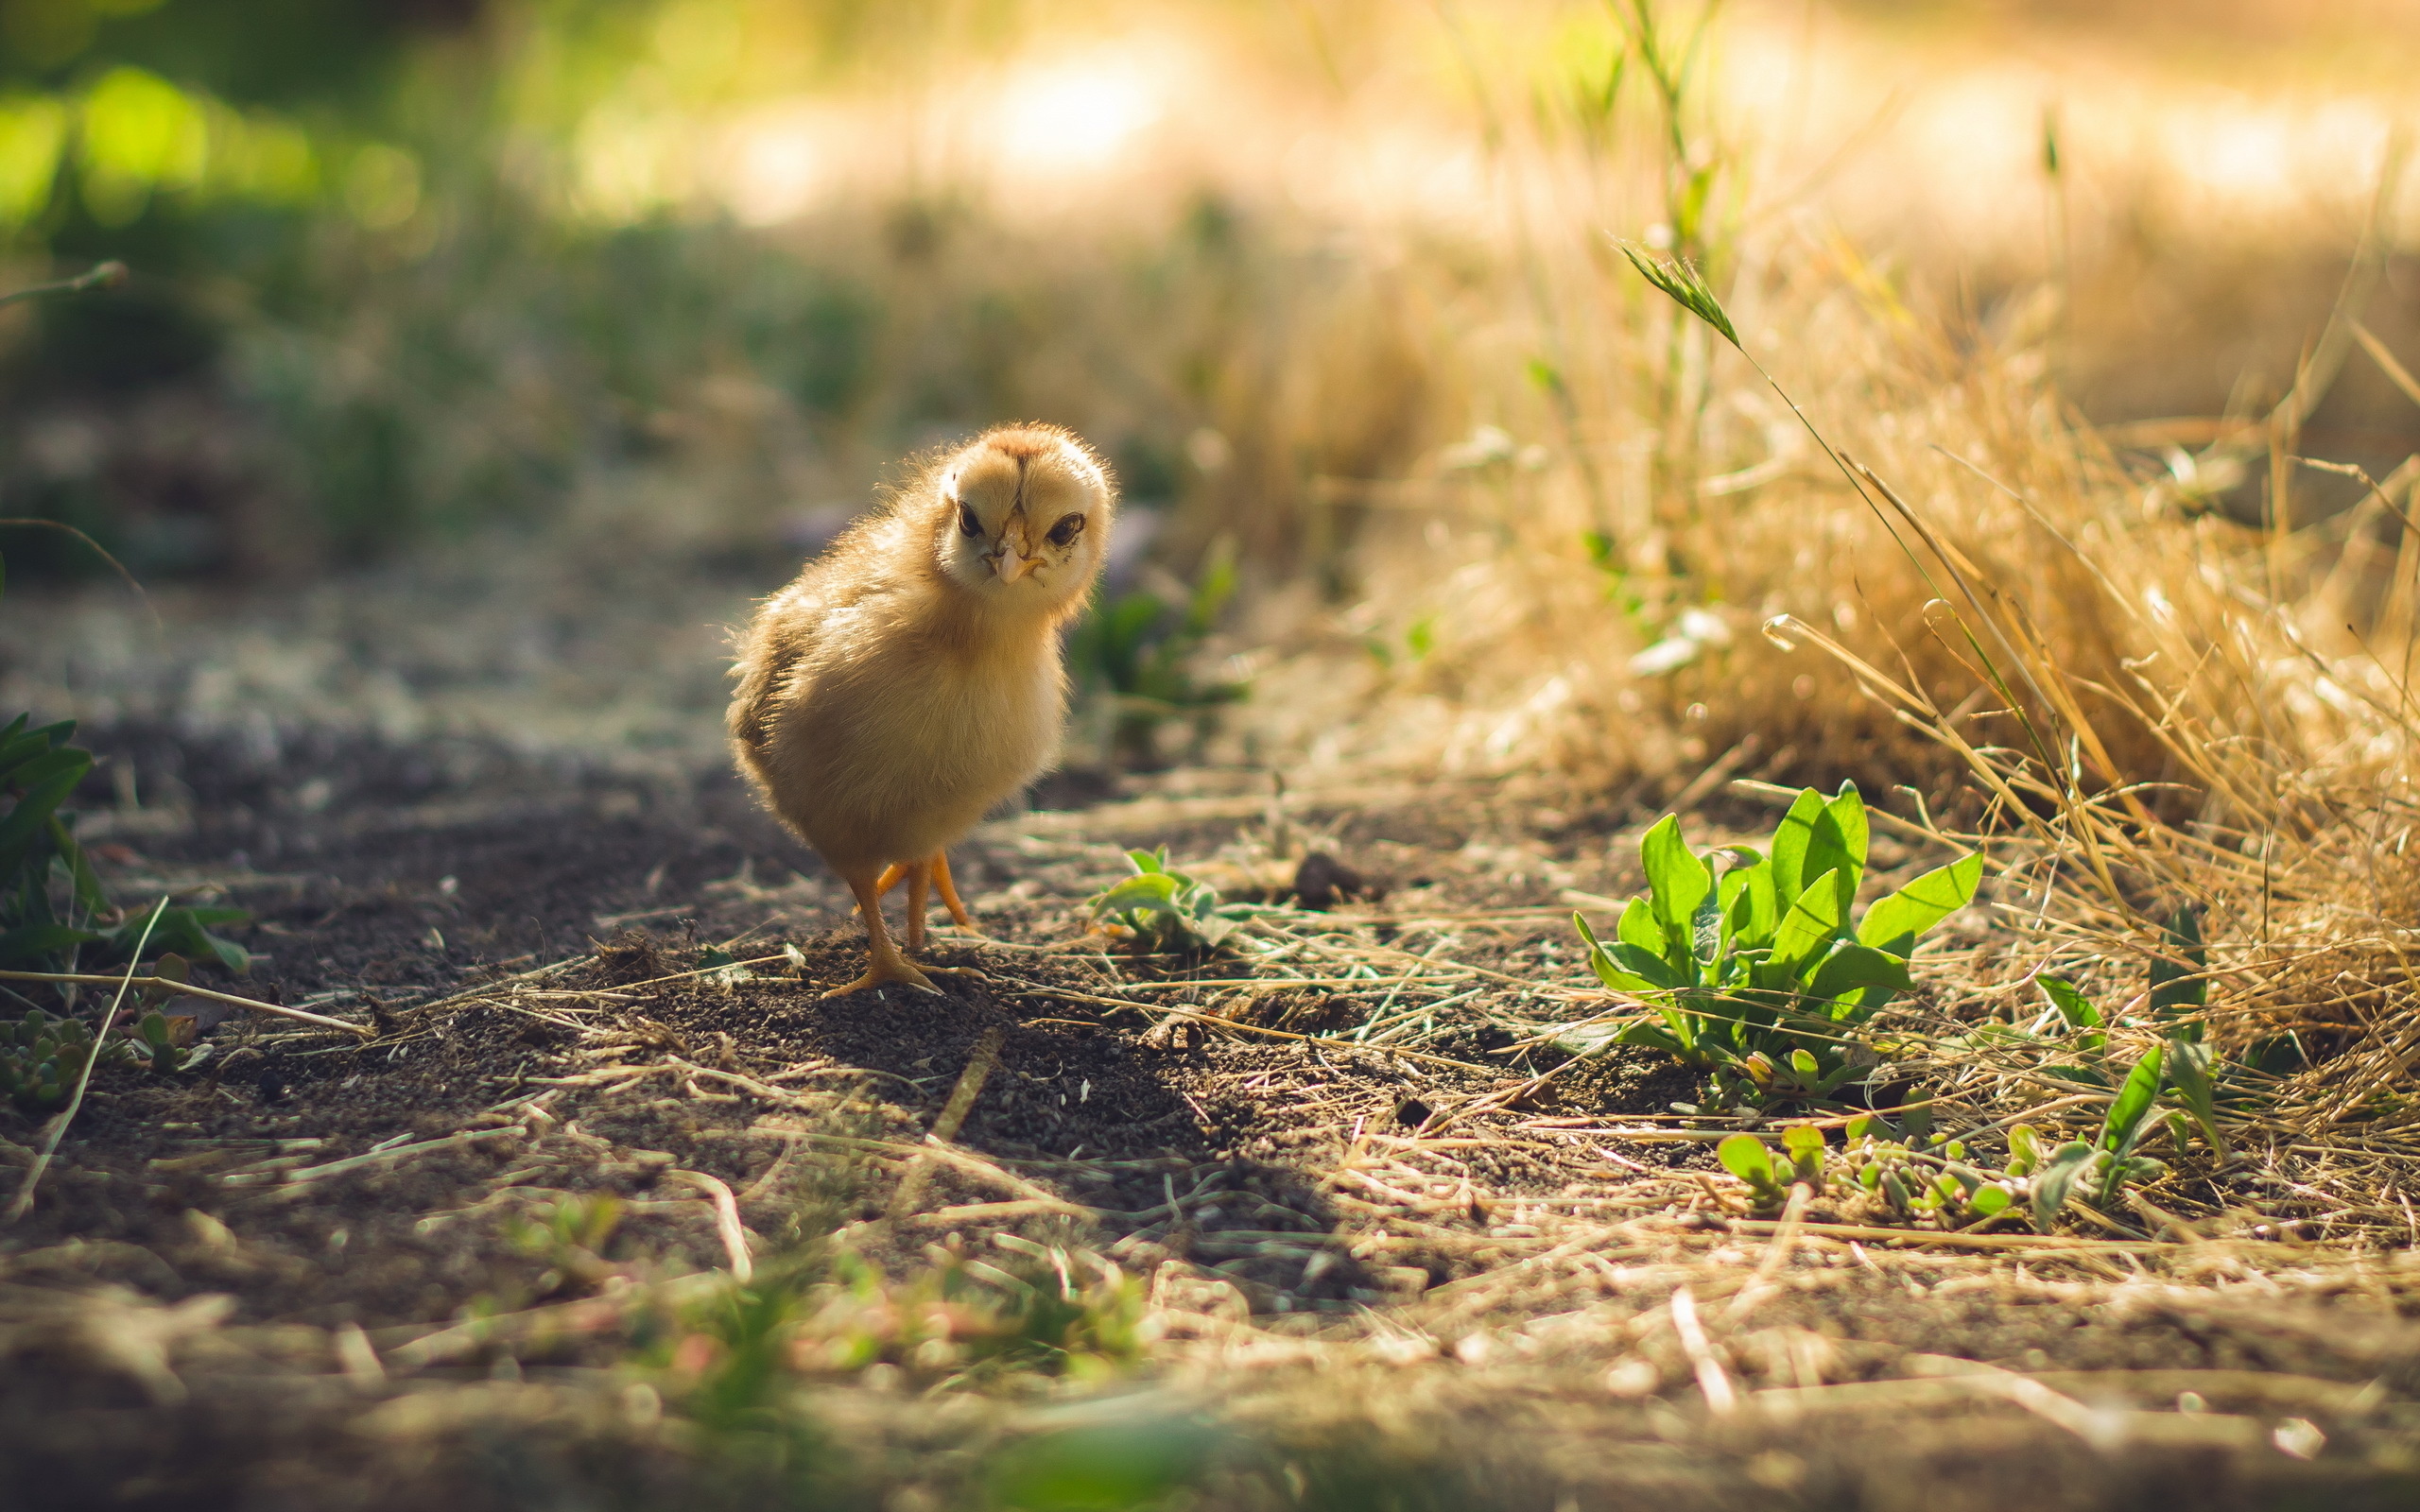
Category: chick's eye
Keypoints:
(966, 521)
(1067, 528)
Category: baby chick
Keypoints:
(909, 678)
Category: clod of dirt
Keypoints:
(1322, 881)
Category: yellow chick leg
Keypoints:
(949, 891)
(889, 879)
(884, 964)
(921, 875)
(920, 880)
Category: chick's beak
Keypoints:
(1011, 565)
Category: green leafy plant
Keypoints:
(45, 882)
(1905, 1177)
(49, 892)
(1137, 653)
(42, 1055)
(1166, 910)
(2109, 1161)
(1752, 962)
(735, 1356)
(1770, 1180)
(2072, 1040)
(1909, 1175)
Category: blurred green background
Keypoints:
(395, 280)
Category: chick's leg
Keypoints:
(920, 877)
(884, 964)
(949, 891)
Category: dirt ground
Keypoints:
(1441, 1269)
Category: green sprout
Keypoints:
(1167, 910)
(1751, 963)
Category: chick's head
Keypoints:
(1022, 517)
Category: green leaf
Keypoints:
(1851, 967)
(1643, 1032)
(1601, 961)
(2189, 1071)
(2057, 1178)
(1615, 978)
(2176, 980)
(1745, 1157)
(1808, 926)
(1639, 929)
(43, 783)
(1645, 950)
(2076, 1008)
(1790, 840)
(1748, 904)
(1803, 1144)
(1153, 892)
(1686, 287)
(188, 930)
(2124, 1125)
(1705, 930)
(1676, 878)
(1896, 923)
(81, 879)
(2279, 1055)
(1837, 844)
(1988, 1200)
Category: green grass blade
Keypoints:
(2076, 1008)
(2124, 1125)
(2189, 1071)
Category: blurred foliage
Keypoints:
(1138, 654)
(403, 269)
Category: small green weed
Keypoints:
(733, 1362)
(2106, 1164)
(1905, 1177)
(1166, 911)
(1752, 962)
(46, 884)
(569, 1236)
(1914, 1176)
(2071, 1041)
(42, 1055)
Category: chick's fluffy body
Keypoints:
(902, 685)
